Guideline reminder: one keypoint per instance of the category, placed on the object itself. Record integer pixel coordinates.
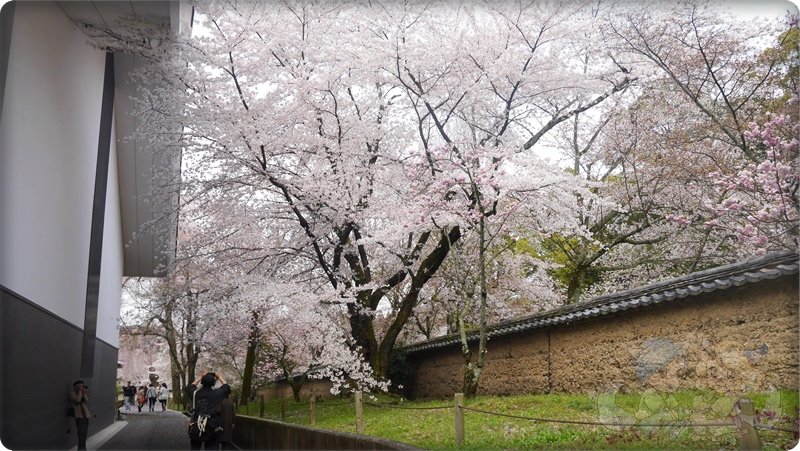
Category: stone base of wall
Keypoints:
(730, 341)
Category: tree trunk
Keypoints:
(471, 376)
(363, 332)
(296, 387)
(575, 286)
(426, 270)
(250, 360)
(178, 396)
(484, 297)
(472, 373)
(296, 384)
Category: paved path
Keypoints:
(144, 431)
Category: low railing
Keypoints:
(257, 433)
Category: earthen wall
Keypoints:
(732, 341)
(321, 388)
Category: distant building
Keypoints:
(71, 195)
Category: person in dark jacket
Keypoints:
(129, 392)
(206, 409)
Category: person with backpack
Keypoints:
(206, 425)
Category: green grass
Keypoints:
(434, 429)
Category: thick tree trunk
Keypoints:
(426, 270)
(296, 384)
(296, 391)
(250, 360)
(363, 333)
(471, 376)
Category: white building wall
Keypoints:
(52, 101)
(48, 157)
(110, 296)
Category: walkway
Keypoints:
(143, 431)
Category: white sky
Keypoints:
(762, 8)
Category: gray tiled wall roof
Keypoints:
(770, 266)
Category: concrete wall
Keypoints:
(49, 151)
(731, 341)
(257, 433)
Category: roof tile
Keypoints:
(769, 266)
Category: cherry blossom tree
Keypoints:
(142, 357)
(759, 201)
(701, 78)
(306, 133)
(488, 199)
(718, 67)
(297, 343)
(180, 309)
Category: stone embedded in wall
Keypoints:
(656, 353)
(726, 366)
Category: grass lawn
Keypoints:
(416, 423)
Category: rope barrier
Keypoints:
(389, 406)
(774, 428)
(595, 423)
(318, 404)
(549, 420)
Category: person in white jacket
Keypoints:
(151, 396)
(163, 396)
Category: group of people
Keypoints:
(145, 394)
(213, 411)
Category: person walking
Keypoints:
(163, 396)
(140, 399)
(227, 416)
(128, 392)
(152, 394)
(80, 404)
(205, 414)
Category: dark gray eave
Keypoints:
(771, 266)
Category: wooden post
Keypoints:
(459, 419)
(283, 409)
(262, 406)
(749, 439)
(313, 410)
(359, 413)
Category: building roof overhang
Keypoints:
(149, 222)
